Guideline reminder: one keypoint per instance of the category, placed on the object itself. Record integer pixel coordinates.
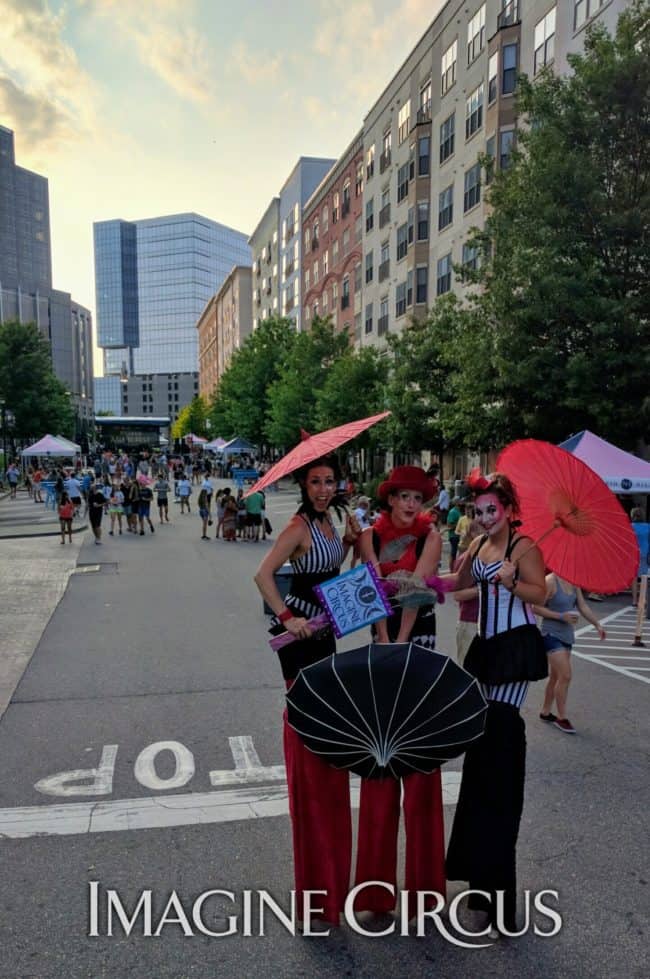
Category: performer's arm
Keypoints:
(524, 577)
(367, 553)
(427, 565)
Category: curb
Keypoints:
(47, 533)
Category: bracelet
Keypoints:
(286, 615)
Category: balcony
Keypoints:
(345, 301)
(345, 207)
(291, 230)
(423, 115)
(382, 325)
(258, 297)
(383, 270)
(384, 160)
(384, 215)
(268, 253)
(269, 289)
(290, 266)
(258, 267)
(314, 244)
(509, 15)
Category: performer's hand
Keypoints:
(382, 633)
(601, 632)
(298, 627)
(506, 574)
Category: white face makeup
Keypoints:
(405, 506)
(321, 487)
(491, 514)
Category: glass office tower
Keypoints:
(153, 279)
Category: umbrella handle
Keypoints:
(318, 623)
(556, 524)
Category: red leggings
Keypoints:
(377, 846)
(319, 803)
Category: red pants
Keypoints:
(319, 803)
(377, 846)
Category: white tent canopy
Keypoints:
(50, 445)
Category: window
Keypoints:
(369, 270)
(326, 262)
(448, 67)
(446, 207)
(384, 262)
(370, 161)
(509, 76)
(544, 40)
(335, 252)
(326, 302)
(447, 130)
(470, 256)
(402, 182)
(402, 241)
(385, 254)
(315, 272)
(409, 287)
(474, 112)
(325, 219)
(386, 141)
(585, 9)
(382, 325)
(384, 160)
(490, 151)
(357, 278)
(335, 293)
(384, 214)
(476, 34)
(307, 240)
(443, 280)
(345, 295)
(358, 180)
(423, 220)
(403, 121)
(506, 140)
(493, 71)
(472, 194)
(424, 111)
(370, 214)
(335, 207)
(307, 280)
(314, 238)
(346, 241)
(368, 319)
(424, 154)
(345, 206)
(421, 284)
(400, 300)
(358, 228)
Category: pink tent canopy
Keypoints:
(622, 471)
(49, 445)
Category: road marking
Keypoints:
(145, 766)
(189, 809)
(588, 633)
(100, 779)
(248, 767)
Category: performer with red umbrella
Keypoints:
(505, 656)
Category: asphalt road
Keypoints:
(124, 717)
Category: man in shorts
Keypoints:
(254, 506)
(96, 504)
(144, 507)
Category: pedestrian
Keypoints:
(116, 508)
(184, 493)
(207, 486)
(442, 505)
(402, 539)
(507, 653)
(453, 517)
(642, 531)
(13, 476)
(467, 600)
(144, 505)
(72, 487)
(319, 794)
(38, 478)
(241, 515)
(96, 504)
(361, 515)
(229, 517)
(66, 512)
(254, 504)
(161, 489)
(204, 511)
(560, 613)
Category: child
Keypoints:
(204, 511)
(66, 511)
(116, 508)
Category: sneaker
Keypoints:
(565, 725)
(110, 533)
(142, 533)
(551, 718)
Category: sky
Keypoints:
(139, 108)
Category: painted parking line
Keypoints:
(188, 809)
(589, 647)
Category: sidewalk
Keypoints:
(23, 517)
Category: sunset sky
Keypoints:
(138, 108)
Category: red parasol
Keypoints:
(581, 528)
(313, 447)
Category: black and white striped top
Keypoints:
(499, 611)
(320, 563)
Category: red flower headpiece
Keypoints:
(476, 480)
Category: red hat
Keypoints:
(408, 478)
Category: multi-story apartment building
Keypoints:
(153, 278)
(26, 290)
(332, 236)
(225, 322)
(450, 102)
(266, 264)
(277, 244)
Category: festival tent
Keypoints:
(194, 439)
(238, 446)
(49, 445)
(622, 471)
(215, 445)
(73, 445)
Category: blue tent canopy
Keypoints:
(237, 446)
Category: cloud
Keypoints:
(39, 121)
(255, 67)
(176, 53)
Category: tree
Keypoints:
(564, 310)
(241, 401)
(293, 396)
(191, 419)
(28, 385)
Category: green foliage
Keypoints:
(354, 388)
(562, 318)
(28, 385)
(294, 394)
(191, 419)
(241, 402)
